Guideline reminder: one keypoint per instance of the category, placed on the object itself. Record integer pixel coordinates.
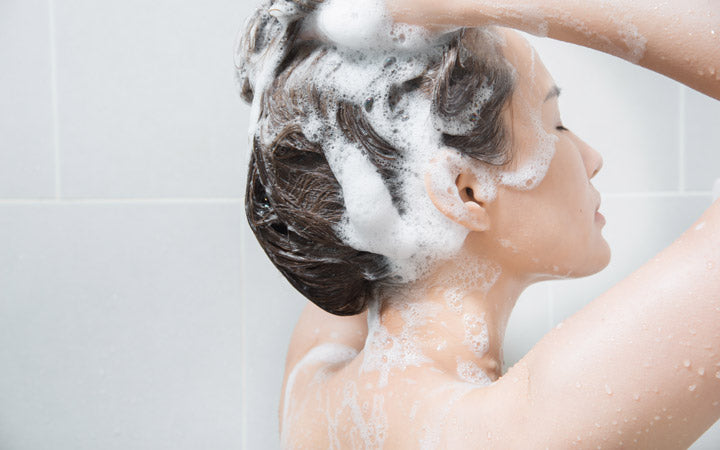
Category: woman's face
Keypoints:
(551, 230)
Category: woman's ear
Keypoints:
(457, 201)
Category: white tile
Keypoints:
(148, 100)
(708, 441)
(637, 229)
(529, 322)
(702, 141)
(272, 307)
(120, 326)
(628, 113)
(27, 164)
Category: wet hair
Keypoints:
(294, 202)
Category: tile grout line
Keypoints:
(54, 97)
(118, 201)
(233, 200)
(243, 353)
(681, 139)
(651, 194)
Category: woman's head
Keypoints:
(347, 145)
(551, 230)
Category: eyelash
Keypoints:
(561, 128)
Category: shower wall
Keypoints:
(137, 310)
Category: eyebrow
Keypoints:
(554, 92)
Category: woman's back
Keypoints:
(622, 372)
(340, 406)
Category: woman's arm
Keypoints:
(679, 39)
(638, 367)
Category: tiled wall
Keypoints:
(121, 164)
(136, 309)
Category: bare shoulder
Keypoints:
(318, 340)
(306, 401)
(316, 327)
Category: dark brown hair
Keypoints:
(294, 202)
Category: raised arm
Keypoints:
(643, 357)
(638, 367)
(679, 39)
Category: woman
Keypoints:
(637, 367)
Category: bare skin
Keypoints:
(679, 39)
(635, 368)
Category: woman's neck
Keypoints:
(454, 321)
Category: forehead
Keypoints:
(533, 80)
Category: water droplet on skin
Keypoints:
(577, 385)
(715, 403)
(636, 396)
(717, 374)
(608, 390)
(686, 363)
(597, 425)
(709, 265)
(701, 371)
(657, 417)
(691, 387)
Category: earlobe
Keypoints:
(456, 202)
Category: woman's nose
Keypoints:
(598, 162)
(593, 159)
